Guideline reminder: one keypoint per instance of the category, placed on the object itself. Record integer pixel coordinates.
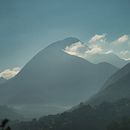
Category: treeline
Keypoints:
(106, 116)
(123, 124)
(4, 125)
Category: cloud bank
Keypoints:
(99, 44)
(97, 37)
(10, 73)
(76, 49)
(121, 40)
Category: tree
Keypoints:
(4, 124)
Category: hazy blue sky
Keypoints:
(27, 26)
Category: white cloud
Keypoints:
(109, 51)
(82, 50)
(76, 49)
(94, 50)
(125, 54)
(127, 59)
(98, 44)
(9, 73)
(121, 39)
(97, 37)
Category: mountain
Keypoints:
(2, 80)
(115, 88)
(86, 117)
(53, 80)
(110, 58)
(84, 51)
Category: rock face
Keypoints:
(54, 78)
(116, 87)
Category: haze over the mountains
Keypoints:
(105, 116)
(27, 26)
(97, 49)
(65, 64)
(117, 87)
(9, 112)
(100, 49)
(55, 80)
(108, 110)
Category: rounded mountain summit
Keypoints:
(53, 77)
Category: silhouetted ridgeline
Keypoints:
(100, 117)
(51, 75)
(116, 87)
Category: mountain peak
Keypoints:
(60, 44)
(71, 39)
(66, 42)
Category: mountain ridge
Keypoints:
(54, 77)
(115, 88)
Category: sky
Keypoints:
(27, 26)
(101, 45)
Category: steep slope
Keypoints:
(118, 75)
(117, 87)
(54, 78)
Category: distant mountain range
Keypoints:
(54, 80)
(115, 88)
(85, 51)
(109, 58)
(109, 109)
